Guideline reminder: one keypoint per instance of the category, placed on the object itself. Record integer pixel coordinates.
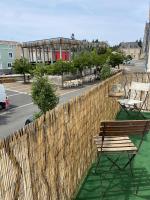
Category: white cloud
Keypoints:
(112, 20)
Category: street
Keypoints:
(21, 106)
(135, 66)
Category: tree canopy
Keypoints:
(22, 66)
(115, 59)
(43, 94)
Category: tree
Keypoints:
(61, 66)
(129, 57)
(40, 70)
(22, 66)
(140, 43)
(115, 59)
(115, 47)
(82, 61)
(105, 72)
(98, 60)
(101, 50)
(43, 94)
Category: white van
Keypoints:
(3, 97)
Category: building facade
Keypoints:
(131, 48)
(51, 50)
(9, 51)
(146, 38)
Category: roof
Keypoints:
(9, 42)
(126, 45)
(52, 41)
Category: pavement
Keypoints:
(21, 105)
(135, 66)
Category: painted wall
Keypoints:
(65, 55)
(8, 54)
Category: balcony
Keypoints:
(116, 184)
(54, 157)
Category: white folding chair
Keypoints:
(136, 98)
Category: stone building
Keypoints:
(146, 38)
(131, 48)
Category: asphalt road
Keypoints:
(21, 107)
(13, 118)
(136, 66)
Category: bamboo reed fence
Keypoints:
(47, 159)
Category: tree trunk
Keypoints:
(24, 77)
(62, 79)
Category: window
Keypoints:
(1, 66)
(10, 55)
(9, 65)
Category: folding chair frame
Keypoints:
(134, 107)
(131, 155)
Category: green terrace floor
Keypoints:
(120, 185)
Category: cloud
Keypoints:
(111, 20)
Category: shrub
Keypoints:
(43, 94)
(105, 72)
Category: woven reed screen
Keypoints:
(47, 159)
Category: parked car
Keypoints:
(32, 118)
(29, 120)
(3, 97)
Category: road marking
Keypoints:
(17, 91)
(24, 106)
(9, 111)
(90, 86)
(18, 86)
(13, 95)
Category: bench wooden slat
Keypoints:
(111, 138)
(113, 142)
(118, 149)
(122, 133)
(126, 123)
(129, 128)
(116, 135)
(108, 145)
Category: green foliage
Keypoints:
(60, 67)
(37, 115)
(139, 42)
(115, 59)
(43, 94)
(50, 70)
(105, 72)
(22, 66)
(82, 61)
(98, 60)
(128, 57)
(40, 70)
(115, 47)
(101, 50)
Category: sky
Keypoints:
(114, 21)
